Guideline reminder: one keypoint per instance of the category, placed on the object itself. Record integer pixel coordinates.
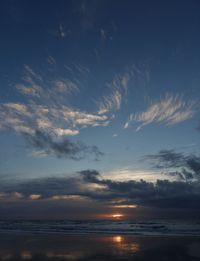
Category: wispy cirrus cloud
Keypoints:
(51, 60)
(35, 86)
(110, 103)
(47, 108)
(31, 74)
(31, 83)
(169, 110)
(77, 70)
(118, 90)
(34, 90)
(103, 35)
(121, 86)
(48, 104)
(47, 112)
(65, 86)
(60, 31)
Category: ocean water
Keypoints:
(101, 240)
(103, 227)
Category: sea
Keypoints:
(105, 227)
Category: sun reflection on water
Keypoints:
(124, 245)
(117, 239)
(26, 255)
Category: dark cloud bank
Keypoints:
(96, 194)
(90, 184)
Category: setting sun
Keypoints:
(117, 215)
(111, 216)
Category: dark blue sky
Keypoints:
(111, 86)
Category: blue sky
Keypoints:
(99, 85)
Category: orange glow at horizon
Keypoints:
(117, 215)
(113, 216)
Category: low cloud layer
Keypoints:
(90, 185)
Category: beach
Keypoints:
(26, 246)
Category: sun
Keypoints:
(117, 215)
(112, 216)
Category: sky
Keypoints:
(99, 108)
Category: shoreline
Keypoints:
(14, 232)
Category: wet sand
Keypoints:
(97, 247)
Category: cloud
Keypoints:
(110, 102)
(118, 90)
(65, 132)
(55, 120)
(33, 84)
(62, 32)
(39, 154)
(162, 194)
(46, 128)
(48, 113)
(48, 108)
(167, 159)
(62, 148)
(169, 110)
(35, 196)
(89, 11)
(51, 60)
(65, 86)
(34, 90)
(77, 70)
(11, 196)
(91, 176)
(89, 184)
(186, 167)
(31, 74)
(18, 108)
(103, 35)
